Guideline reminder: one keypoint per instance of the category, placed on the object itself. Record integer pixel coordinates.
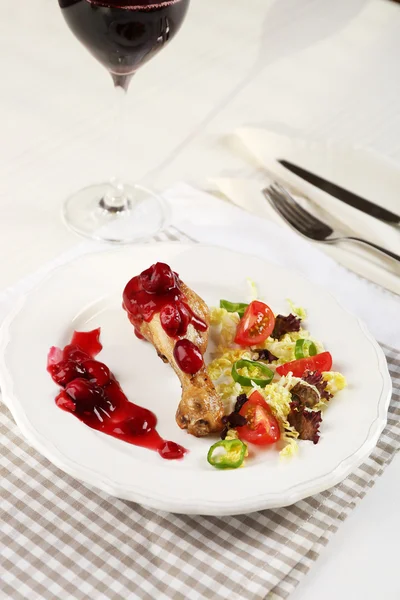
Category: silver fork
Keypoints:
(309, 226)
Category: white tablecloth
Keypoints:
(232, 65)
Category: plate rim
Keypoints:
(262, 501)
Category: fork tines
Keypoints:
(295, 215)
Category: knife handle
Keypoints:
(379, 248)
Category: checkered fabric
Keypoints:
(60, 539)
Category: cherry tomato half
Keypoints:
(262, 428)
(256, 325)
(319, 362)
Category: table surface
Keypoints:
(233, 64)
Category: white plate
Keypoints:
(86, 293)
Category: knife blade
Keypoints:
(344, 195)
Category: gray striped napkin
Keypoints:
(62, 539)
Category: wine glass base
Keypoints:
(145, 215)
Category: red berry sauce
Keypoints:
(158, 290)
(95, 397)
(88, 341)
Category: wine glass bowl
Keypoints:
(122, 35)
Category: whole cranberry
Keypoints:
(65, 371)
(97, 372)
(188, 357)
(86, 395)
(158, 279)
(65, 402)
(186, 317)
(170, 318)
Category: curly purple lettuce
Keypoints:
(285, 325)
(306, 422)
(265, 355)
(305, 394)
(315, 378)
(234, 419)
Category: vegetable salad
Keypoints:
(274, 378)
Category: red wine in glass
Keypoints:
(122, 35)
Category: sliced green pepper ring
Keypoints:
(304, 349)
(238, 307)
(233, 456)
(252, 364)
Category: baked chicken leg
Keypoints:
(173, 318)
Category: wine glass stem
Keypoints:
(115, 200)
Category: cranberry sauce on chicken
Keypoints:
(172, 317)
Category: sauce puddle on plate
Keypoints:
(94, 396)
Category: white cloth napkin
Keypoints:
(358, 170)
(206, 219)
(213, 221)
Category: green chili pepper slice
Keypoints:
(267, 373)
(304, 349)
(238, 307)
(233, 456)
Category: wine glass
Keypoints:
(122, 35)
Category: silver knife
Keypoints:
(344, 195)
